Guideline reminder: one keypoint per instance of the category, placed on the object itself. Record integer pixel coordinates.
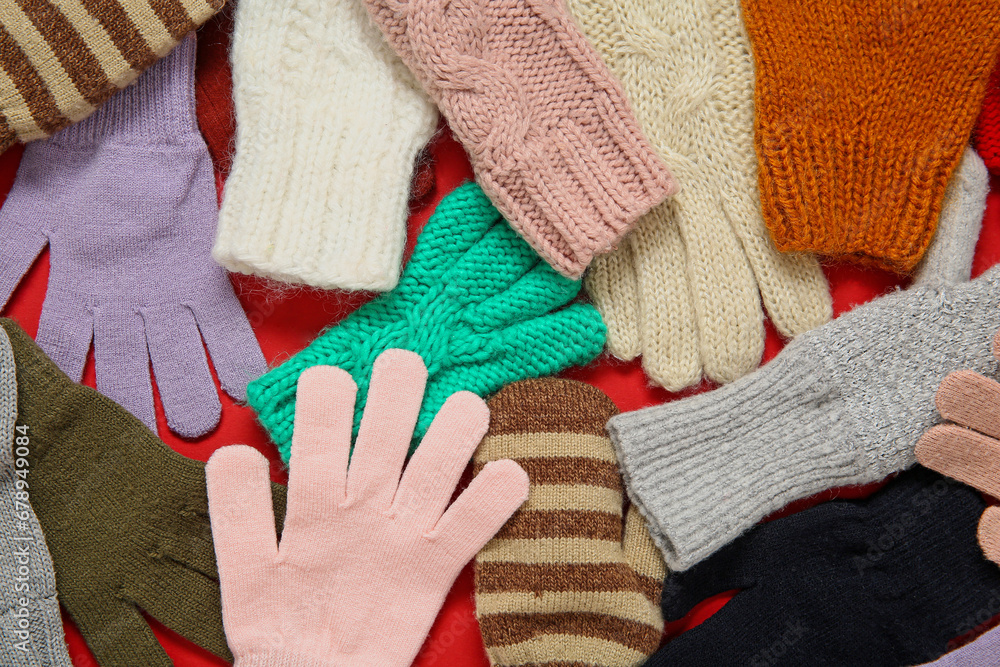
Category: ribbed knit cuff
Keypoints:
(705, 469)
(289, 658)
(32, 635)
(320, 196)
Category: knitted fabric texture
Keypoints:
(888, 580)
(31, 631)
(125, 517)
(547, 127)
(968, 449)
(60, 61)
(329, 122)
(986, 135)
(563, 582)
(369, 551)
(841, 405)
(980, 653)
(684, 290)
(475, 302)
(126, 202)
(862, 112)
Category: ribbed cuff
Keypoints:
(288, 658)
(705, 469)
(320, 196)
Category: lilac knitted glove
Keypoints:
(126, 202)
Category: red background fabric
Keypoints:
(286, 319)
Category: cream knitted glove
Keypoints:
(682, 290)
(329, 123)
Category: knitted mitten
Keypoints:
(684, 290)
(125, 517)
(474, 301)
(968, 449)
(31, 631)
(63, 60)
(547, 127)
(986, 135)
(862, 112)
(563, 582)
(329, 122)
(369, 551)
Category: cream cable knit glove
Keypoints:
(682, 290)
(329, 123)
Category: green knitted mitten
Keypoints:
(475, 301)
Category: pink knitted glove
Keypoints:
(366, 558)
(551, 136)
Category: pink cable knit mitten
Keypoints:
(366, 556)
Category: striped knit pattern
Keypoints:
(61, 59)
(560, 584)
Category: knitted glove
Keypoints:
(31, 631)
(126, 202)
(562, 582)
(883, 581)
(126, 518)
(547, 127)
(324, 151)
(61, 61)
(983, 651)
(684, 290)
(862, 112)
(474, 302)
(986, 135)
(968, 449)
(843, 404)
(366, 558)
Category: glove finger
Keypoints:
(668, 325)
(190, 399)
(121, 361)
(114, 630)
(723, 288)
(394, 396)
(481, 510)
(971, 400)
(612, 285)
(65, 330)
(989, 533)
(541, 290)
(19, 254)
(437, 465)
(971, 458)
(230, 340)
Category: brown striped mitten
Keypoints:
(565, 581)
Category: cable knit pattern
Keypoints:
(549, 131)
(475, 302)
(329, 123)
(685, 288)
(986, 135)
(843, 404)
(863, 109)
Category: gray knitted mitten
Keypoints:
(31, 632)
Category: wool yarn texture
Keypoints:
(862, 113)
(888, 580)
(967, 448)
(475, 302)
(685, 289)
(126, 202)
(368, 552)
(60, 61)
(328, 124)
(125, 517)
(31, 631)
(986, 135)
(548, 129)
(980, 653)
(566, 580)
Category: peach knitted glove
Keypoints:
(366, 558)
(547, 127)
(685, 288)
(969, 449)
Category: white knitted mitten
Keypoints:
(682, 289)
(329, 122)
